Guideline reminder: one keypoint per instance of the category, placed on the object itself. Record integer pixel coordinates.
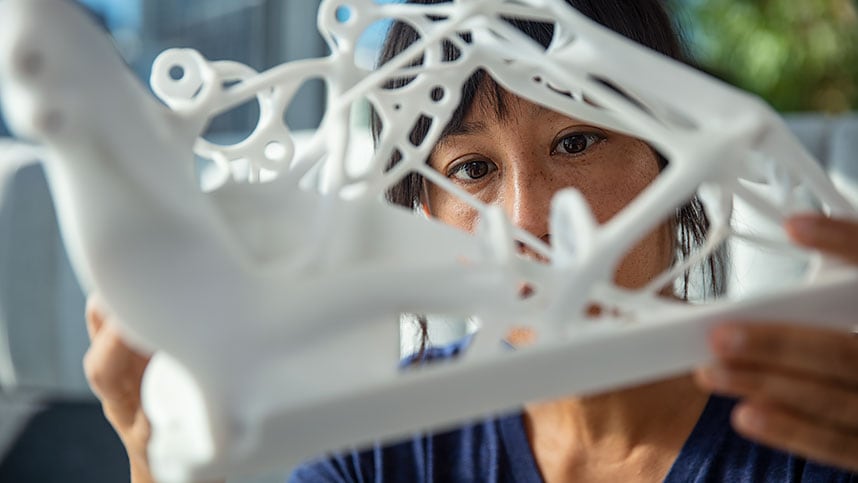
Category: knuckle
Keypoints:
(94, 370)
(110, 416)
(99, 365)
(143, 427)
(93, 310)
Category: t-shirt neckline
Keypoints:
(707, 434)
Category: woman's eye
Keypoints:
(577, 143)
(472, 170)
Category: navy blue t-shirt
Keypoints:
(497, 450)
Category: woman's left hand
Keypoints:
(797, 385)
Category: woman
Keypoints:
(797, 387)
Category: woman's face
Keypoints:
(520, 158)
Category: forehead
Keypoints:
(492, 105)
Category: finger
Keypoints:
(114, 372)
(786, 430)
(820, 352)
(136, 438)
(113, 367)
(94, 315)
(834, 404)
(837, 237)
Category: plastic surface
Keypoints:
(274, 309)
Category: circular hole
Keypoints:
(437, 93)
(343, 13)
(397, 107)
(275, 151)
(177, 72)
(537, 79)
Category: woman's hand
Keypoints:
(114, 372)
(798, 386)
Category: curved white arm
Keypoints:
(274, 309)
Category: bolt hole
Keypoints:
(343, 13)
(177, 72)
(437, 94)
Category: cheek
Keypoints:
(614, 183)
(650, 257)
(450, 210)
(654, 254)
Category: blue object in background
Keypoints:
(117, 14)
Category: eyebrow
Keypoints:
(461, 129)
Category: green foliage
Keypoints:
(797, 54)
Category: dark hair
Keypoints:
(644, 21)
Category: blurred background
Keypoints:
(801, 56)
(798, 55)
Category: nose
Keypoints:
(528, 187)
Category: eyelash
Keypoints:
(591, 139)
(460, 167)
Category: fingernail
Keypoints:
(728, 340)
(749, 419)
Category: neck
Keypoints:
(643, 427)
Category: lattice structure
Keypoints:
(274, 308)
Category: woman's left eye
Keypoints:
(577, 143)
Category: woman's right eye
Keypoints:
(471, 170)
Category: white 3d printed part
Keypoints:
(273, 310)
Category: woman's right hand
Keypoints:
(114, 372)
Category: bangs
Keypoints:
(483, 96)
